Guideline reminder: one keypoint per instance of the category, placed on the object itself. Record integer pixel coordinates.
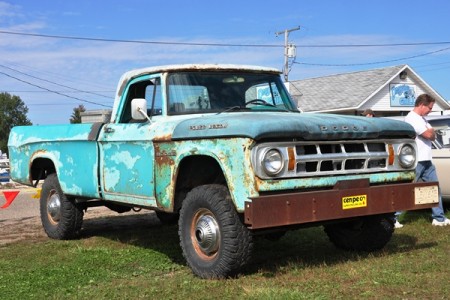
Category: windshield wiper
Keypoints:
(232, 108)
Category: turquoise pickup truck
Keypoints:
(224, 151)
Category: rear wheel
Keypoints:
(60, 216)
(365, 234)
(214, 241)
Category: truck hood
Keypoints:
(284, 125)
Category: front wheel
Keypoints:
(365, 234)
(214, 241)
(60, 216)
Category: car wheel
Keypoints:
(214, 241)
(364, 234)
(60, 216)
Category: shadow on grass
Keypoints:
(301, 248)
(142, 230)
(306, 248)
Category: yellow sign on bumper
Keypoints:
(354, 201)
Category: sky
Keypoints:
(56, 55)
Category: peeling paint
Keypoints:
(329, 181)
(126, 163)
(111, 178)
(227, 152)
(125, 158)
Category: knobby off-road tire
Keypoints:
(60, 216)
(214, 241)
(365, 234)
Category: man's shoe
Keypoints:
(442, 223)
(398, 225)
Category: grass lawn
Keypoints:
(146, 262)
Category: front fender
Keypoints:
(231, 154)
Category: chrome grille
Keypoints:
(330, 158)
(339, 157)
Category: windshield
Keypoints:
(442, 128)
(442, 138)
(207, 92)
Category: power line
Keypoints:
(51, 104)
(138, 41)
(220, 44)
(72, 92)
(59, 93)
(371, 63)
(77, 90)
(66, 77)
(373, 45)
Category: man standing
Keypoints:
(425, 134)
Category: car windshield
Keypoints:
(209, 92)
(443, 138)
(442, 128)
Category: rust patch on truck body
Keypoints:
(316, 206)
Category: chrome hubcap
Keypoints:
(207, 234)
(54, 208)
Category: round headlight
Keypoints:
(407, 156)
(273, 162)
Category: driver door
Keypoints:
(126, 149)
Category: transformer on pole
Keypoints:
(290, 51)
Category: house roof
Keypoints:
(349, 91)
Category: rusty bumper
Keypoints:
(347, 199)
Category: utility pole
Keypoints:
(289, 50)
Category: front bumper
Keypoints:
(349, 198)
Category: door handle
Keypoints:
(109, 130)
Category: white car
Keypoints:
(441, 152)
(4, 168)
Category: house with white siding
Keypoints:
(389, 91)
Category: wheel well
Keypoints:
(41, 168)
(195, 171)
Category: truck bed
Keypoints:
(72, 149)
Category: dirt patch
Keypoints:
(95, 220)
(15, 230)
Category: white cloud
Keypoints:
(8, 10)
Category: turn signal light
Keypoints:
(391, 154)
(291, 156)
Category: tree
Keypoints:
(13, 112)
(76, 115)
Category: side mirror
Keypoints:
(139, 109)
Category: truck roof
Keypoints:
(197, 67)
(127, 76)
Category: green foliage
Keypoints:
(76, 115)
(13, 112)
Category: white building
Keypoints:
(389, 91)
(94, 116)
